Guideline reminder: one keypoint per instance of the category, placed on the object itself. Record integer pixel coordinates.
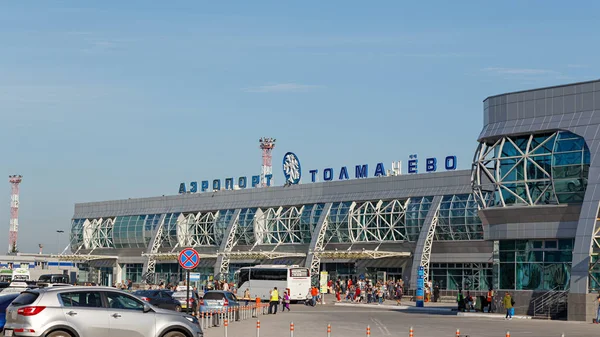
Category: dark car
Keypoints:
(5, 301)
(159, 298)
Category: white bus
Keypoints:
(261, 279)
(21, 274)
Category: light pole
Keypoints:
(58, 233)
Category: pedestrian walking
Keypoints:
(274, 301)
(509, 303)
(286, 302)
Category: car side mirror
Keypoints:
(147, 308)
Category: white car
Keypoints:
(15, 287)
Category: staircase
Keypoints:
(551, 305)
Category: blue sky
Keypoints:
(114, 99)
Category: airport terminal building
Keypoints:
(523, 219)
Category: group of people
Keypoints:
(368, 291)
(467, 303)
(275, 299)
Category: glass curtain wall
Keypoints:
(465, 276)
(535, 264)
(538, 169)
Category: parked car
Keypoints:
(218, 300)
(15, 288)
(54, 278)
(190, 304)
(46, 285)
(93, 312)
(159, 298)
(4, 302)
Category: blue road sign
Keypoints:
(189, 258)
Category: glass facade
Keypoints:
(337, 227)
(76, 234)
(465, 276)
(458, 219)
(134, 231)
(538, 169)
(133, 272)
(394, 220)
(244, 234)
(415, 216)
(170, 230)
(535, 264)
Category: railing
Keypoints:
(551, 304)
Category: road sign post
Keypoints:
(188, 260)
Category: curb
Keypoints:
(432, 310)
(399, 308)
(484, 315)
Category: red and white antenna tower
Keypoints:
(14, 180)
(267, 145)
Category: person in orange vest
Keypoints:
(314, 292)
(490, 299)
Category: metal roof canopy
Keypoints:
(83, 257)
(360, 254)
(257, 255)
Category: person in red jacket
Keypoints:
(357, 295)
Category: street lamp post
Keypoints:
(58, 233)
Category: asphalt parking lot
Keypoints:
(353, 321)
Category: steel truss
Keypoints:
(426, 255)
(227, 244)
(150, 266)
(595, 253)
(378, 221)
(317, 244)
(97, 233)
(281, 225)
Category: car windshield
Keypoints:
(182, 294)
(214, 296)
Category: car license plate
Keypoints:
(183, 306)
(8, 332)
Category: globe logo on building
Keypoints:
(291, 169)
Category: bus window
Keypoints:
(243, 276)
(268, 274)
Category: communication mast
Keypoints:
(14, 180)
(267, 145)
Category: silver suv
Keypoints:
(92, 312)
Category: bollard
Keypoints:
(210, 318)
(368, 331)
(507, 333)
(257, 328)
(328, 330)
(292, 329)
(457, 333)
(226, 324)
(411, 332)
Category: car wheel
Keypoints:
(175, 334)
(59, 333)
(178, 308)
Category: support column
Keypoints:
(150, 264)
(222, 264)
(424, 243)
(313, 259)
(582, 306)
